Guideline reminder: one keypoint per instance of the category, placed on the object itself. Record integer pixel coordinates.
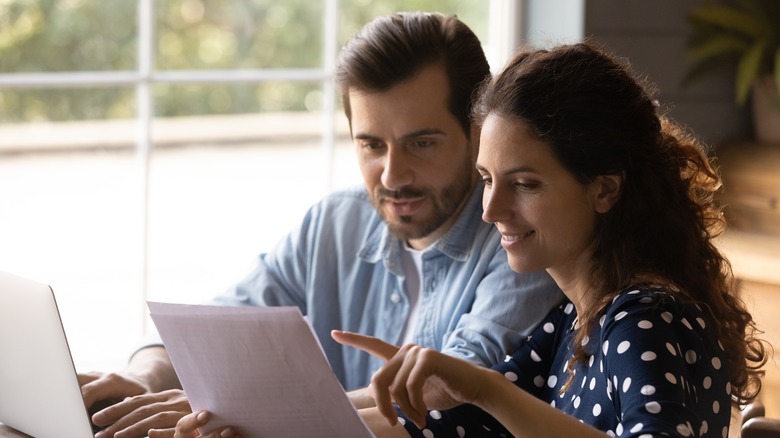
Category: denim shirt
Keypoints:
(342, 268)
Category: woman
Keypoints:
(585, 179)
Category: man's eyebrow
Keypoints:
(419, 133)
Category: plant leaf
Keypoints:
(716, 46)
(747, 70)
(776, 69)
(728, 18)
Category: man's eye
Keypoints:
(423, 143)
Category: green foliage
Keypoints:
(741, 34)
(100, 35)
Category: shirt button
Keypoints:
(395, 298)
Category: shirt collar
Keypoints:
(455, 243)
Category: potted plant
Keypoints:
(744, 35)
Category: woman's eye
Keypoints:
(526, 185)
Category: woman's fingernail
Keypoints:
(202, 416)
(227, 433)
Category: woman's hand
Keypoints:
(416, 378)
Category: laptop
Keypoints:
(39, 394)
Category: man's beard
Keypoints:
(445, 204)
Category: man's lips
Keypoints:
(404, 206)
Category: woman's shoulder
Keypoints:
(651, 302)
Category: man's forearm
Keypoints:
(153, 366)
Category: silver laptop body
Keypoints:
(39, 390)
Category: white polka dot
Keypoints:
(645, 300)
(626, 384)
(596, 410)
(686, 323)
(436, 415)
(690, 357)
(552, 403)
(549, 327)
(704, 428)
(725, 432)
(592, 383)
(552, 380)
(670, 377)
(715, 407)
(610, 433)
(645, 435)
(647, 390)
(701, 322)
(401, 421)
(507, 358)
(637, 427)
(427, 433)
(535, 356)
(716, 363)
(591, 360)
(648, 356)
(667, 317)
(576, 402)
(605, 347)
(728, 388)
(601, 320)
(623, 347)
(539, 381)
(569, 307)
(645, 324)
(511, 376)
(633, 292)
(585, 341)
(707, 382)
(619, 429)
(671, 349)
(653, 407)
(683, 430)
(621, 315)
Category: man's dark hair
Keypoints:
(391, 49)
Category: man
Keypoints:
(406, 258)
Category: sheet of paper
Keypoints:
(260, 370)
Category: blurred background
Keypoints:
(150, 149)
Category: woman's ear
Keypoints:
(607, 190)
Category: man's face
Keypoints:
(416, 161)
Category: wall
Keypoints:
(651, 34)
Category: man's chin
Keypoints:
(405, 231)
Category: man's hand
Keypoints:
(187, 427)
(135, 416)
(145, 395)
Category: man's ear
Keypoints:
(607, 190)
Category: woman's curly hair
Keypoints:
(600, 119)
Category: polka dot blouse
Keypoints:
(654, 369)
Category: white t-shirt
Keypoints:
(411, 260)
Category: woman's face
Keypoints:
(546, 217)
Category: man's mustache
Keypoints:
(382, 193)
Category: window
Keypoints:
(149, 150)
